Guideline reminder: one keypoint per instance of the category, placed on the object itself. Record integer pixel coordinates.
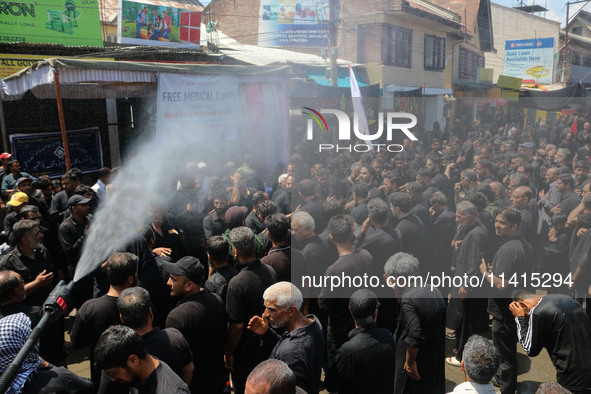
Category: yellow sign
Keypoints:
(486, 75)
(509, 82)
(510, 95)
(10, 64)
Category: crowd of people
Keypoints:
(229, 286)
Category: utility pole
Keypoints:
(332, 43)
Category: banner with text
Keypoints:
(532, 60)
(294, 23)
(207, 104)
(43, 153)
(70, 23)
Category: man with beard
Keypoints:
(301, 346)
(514, 257)
(414, 236)
(96, 315)
(31, 261)
(72, 235)
(200, 317)
(59, 204)
(468, 247)
(214, 223)
(282, 197)
(569, 199)
(123, 356)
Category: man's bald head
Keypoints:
(498, 189)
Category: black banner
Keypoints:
(43, 154)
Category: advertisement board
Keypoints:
(294, 23)
(70, 22)
(43, 153)
(532, 60)
(141, 23)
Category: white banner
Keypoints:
(205, 104)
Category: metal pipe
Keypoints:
(60, 110)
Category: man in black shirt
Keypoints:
(201, 318)
(122, 354)
(559, 324)
(301, 346)
(253, 221)
(569, 198)
(420, 333)
(59, 204)
(245, 292)
(514, 257)
(351, 263)
(72, 234)
(214, 224)
(520, 199)
(469, 246)
(364, 364)
(98, 314)
(219, 261)
(169, 345)
(31, 260)
(414, 235)
(279, 257)
(311, 203)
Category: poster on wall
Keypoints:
(141, 23)
(68, 22)
(532, 60)
(206, 104)
(294, 23)
(43, 153)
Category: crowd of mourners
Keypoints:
(229, 286)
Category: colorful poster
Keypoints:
(532, 60)
(206, 104)
(141, 23)
(294, 23)
(65, 22)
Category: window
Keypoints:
(469, 63)
(434, 53)
(577, 30)
(400, 46)
(370, 44)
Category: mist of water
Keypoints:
(157, 164)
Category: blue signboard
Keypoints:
(532, 60)
(294, 23)
(43, 154)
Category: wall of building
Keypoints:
(511, 24)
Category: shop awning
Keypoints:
(95, 79)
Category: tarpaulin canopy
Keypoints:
(95, 79)
(553, 100)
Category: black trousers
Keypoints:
(474, 321)
(504, 335)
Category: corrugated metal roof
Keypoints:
(109, 9)
(264, 56)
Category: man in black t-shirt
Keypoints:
(122, 354)
(201, 318)
(169, 345)
(219, 260)
(352, 263)
(514, 257)
(244, 300)
(98, 314)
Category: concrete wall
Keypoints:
(511, 24)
